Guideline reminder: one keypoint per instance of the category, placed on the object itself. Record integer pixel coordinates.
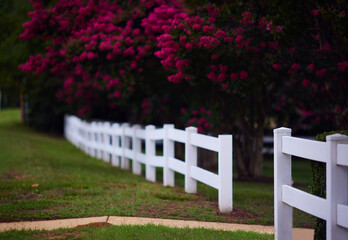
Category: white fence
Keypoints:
(122, 143)
(333, 209)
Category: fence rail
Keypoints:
(333, 208)
(120, 143)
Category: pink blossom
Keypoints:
(228, 39)
(239, 38)
(234, 76)
(311, 67)
(176, 78)
(201, 121)
(196, 27)
(203, 110)
(182, 110)
(180, 65)
(262, 44)
(206, 125)
(243, 75)
(315, 12)
(305, 83)
(321, 73)
(276, 66)
(221, 77)
(214, 56)
(211, 76)
(188, 46)
(326, 47)
(342, 66)
(117, 94)
(220, 34)
(295, 66)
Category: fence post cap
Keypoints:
(150, 127)
(282, 130)
(191, 129)
(337, 137)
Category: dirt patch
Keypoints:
(61, 235)
(187, 210)
(15, 175)
(96, 224)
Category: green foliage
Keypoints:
(318, 186)
(12, 51)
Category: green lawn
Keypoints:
(45, 177)
(148, 232)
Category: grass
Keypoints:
(148, 232)
(46, 177)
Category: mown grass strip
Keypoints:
(46, 177)
(147, 232)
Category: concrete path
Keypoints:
(298, 233)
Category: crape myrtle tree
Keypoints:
(102, 53)
(257, 64)
(234, 59)
(232, 65)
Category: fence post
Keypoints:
(282, 176)
(150, 151)
(99, 139)
(168, 151)
(336, 188)
(90, 139)
(115, 160)
(106, 138)
(136, 142)
(83, 136)
(94, 139)
(125, 144)
(190, 160)
(225, 165)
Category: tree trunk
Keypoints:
(21, 100)
(248, 157)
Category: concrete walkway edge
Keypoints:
(299, 233)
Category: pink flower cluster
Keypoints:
(196, 35)
(99, 44)
(200, 118)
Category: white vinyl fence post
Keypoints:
(125, 143)
(136, 142)
(168, 151)
(150, 151)
(94, 139)
(84, 136)
(90, 139)
(282, 176)
(190, 160)
(100, 140)
(106, 141)
(336, 188)
(225, 165)
(115, 159)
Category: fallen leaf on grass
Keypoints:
(35, 185)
